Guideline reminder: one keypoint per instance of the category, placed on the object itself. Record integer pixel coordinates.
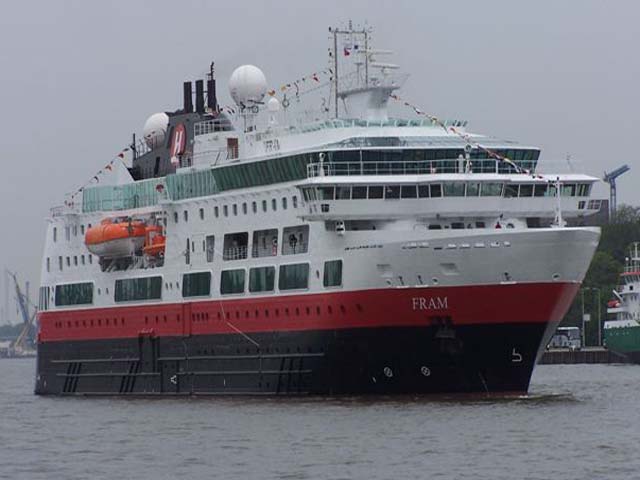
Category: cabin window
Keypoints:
(60, 263)
(295, 240)
(201, 213)
(408, 191)
(232, 281)
(82, 259)
(48, 264)
(210, 245)
(74, 294)
(68, 261)
(376, 192)
(235, 246)
(294, 201)
(274, 204)
(265, 243)
(196, 284)
(480, 225)
(175, 217)
(358, 193)
(135, 289)
(225, 210)
(332, 273)
(392, 192)
(294, 276)
(185, 214)
(262, 279)
(254, 207)
(264, 205)
(216, 211)
(284, 203)
(235, 209)
(55, 234)
(90, 259)
(82, 229)
(244, 208)
(75, 260)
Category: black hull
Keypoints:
(409, 360)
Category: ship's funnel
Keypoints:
(188, 97)
(199, 96)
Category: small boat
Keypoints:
(118, 237)
(154, 242)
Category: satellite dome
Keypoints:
(273, 105)
(155, 129)
(247, 85)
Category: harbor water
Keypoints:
(579, 422)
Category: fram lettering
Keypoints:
(429, 303)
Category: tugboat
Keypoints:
(622, 332)
(307, 240)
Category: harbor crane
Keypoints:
(610, 178)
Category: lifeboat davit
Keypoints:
(116, 237)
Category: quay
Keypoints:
(556, 356)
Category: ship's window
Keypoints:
(90, 259)
(235, 246)
(185, 214)
(210, 245)
(454, 189)
(358, 193)
(74, 294)
(332, 273)
(232, 281)
(423, 191)
(134, 289)
(408, 191)
(480, 225)
(68, 261)
(187, 253)
(343, 193)
(473, 189)
(295, 240)
(526, 190)
(284, 203)
(75, 260)
(584, 189)
(216, 211)
(568, 190)
(294, 276)
(274, 204)
(265, 243)
(326, 193)
(510, 191)
(262, 279)
(294, 201)
(75, 230)
(491, 190)
(392, 192)
(82, 259)
(225, 210)
(540, 190)
(196, 284)
(175, 217)
(457, 225)
(264, 205)
(244, 208)
(435, 226)
(201, 214)
(48, 264)
(81, 229)
(375, 192)
(254, 207)
(60, 263)
(435, 190)
(55, 234)
(235, 209)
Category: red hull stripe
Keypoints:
(469, 305)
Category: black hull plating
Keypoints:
(435, 360)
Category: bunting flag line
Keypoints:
(465, 137)
(96, 178)
(313, 77)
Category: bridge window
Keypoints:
(332, 273)
(526, 190)
(134, 289)
(294, 276)
(423, 191)
(235, 246)
(435, 190)
(392, 192)
(74, 294)
(232, 281)
(454, 189)
(540, 190)
(326, 193)
(262, 279)
(265, 243)
(376, 192)
(568, 190)
(343, 193)
(359, 193)
(295, 240)
(473, 189)
(491, 190)
(408, 191)
(196, 284)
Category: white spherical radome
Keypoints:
(273, 105)
(247, 85)
(155, 129)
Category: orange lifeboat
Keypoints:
(118, 237)
(154, 241)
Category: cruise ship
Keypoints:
(305, 240)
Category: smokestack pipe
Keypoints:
(199, 96)
(188, 97)
(211, 95)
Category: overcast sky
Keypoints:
(78, 77)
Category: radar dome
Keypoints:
(247, 85)
(155, 129)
